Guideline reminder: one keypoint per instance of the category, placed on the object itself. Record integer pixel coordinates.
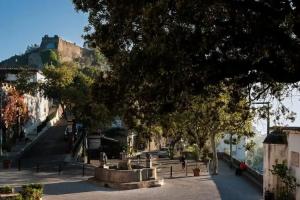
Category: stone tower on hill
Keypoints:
(35, 57)
(67, 51)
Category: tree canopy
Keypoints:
(170, 46)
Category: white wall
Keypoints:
(272, 153)
(38, 105)
(11, 77)
(36, 77)
(38, 110)
(294, 146)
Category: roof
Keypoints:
(276, 137)
(17, 68)
(295, 129)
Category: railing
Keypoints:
(249, 173)
(55, 166)
(78, 146)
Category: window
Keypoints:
(50, 46)
(294, 159)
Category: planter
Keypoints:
(196, 172)
(6, 190)
(6, 164)
(269, 195)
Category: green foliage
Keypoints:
(249, 146)
(32, 48)
(23, 83)
(32, 191)
(10, 190)
(195, 151)
(193, 44)
(17, 60)
(6, 190)
(50, 57)
(282, 172)
(17, 197)
(73, 87)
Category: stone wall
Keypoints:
(250, 174)
(124, 176)
(49, 42)
(68, 51)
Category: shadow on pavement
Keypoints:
(232, 187)
(73, 187)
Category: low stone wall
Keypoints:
(125, 176)
(250, 174)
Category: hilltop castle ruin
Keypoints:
(66, 51)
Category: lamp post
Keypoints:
(268, 113)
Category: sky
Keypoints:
(25, 22)
(292, 102)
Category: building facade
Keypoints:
(38, 105)
(282, 146)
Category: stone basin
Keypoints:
(125, 176)
(126, 179)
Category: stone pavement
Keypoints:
(225, 186)
(72, 185)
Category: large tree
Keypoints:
(170, 46)
(72, 85)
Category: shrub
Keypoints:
(17, 197)
(281, 170)
(6, 190)
(32, 191)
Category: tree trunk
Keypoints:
(171, 150)
(214, 163)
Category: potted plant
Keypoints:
(6, 190)
(6, 163)
(196, 171)
(269, 195)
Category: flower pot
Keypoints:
(269, 195)
(6, 163)
(196, 172)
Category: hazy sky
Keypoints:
(24, 22)
(292, 102)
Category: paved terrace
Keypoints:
(225, 186)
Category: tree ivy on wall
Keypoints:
(50, 57)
